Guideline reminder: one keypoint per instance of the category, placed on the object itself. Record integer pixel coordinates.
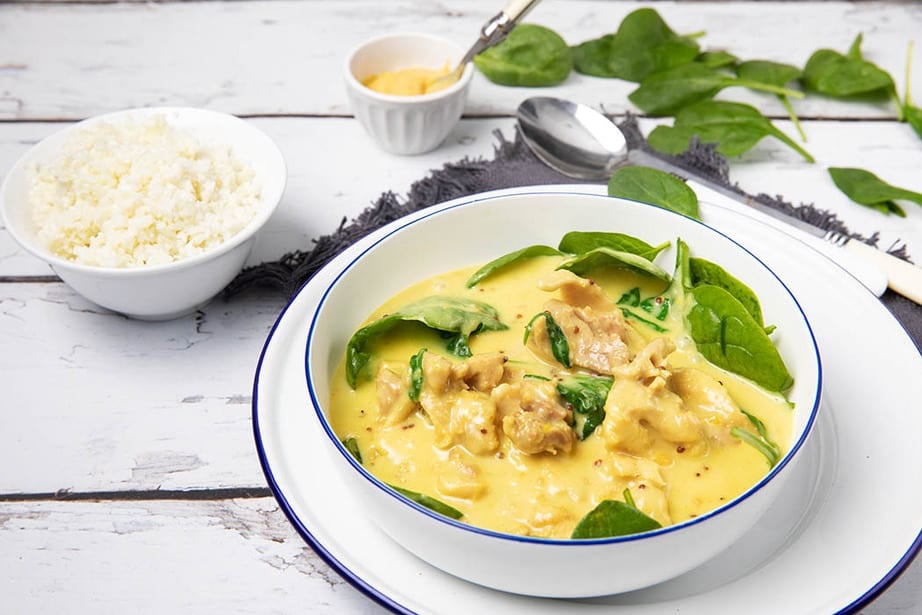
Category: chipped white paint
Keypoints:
(93, 402)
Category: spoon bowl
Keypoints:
(572, 138)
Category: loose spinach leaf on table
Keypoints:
(458, 317)
(667, 91)
(507, 260)
(586, 395)
(429, 502)
(614, 518)
(911, 113)
(531, 56)
(719, 58)
(865, 188)
(581, 242)
(735, 127)
(848, 75)
(642, 45)
(773, 73)
(649, 185)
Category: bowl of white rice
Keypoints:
(147, 212)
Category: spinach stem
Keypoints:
(766, 87)
(790, 109)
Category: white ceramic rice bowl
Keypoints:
(474, 232)
(171, 290)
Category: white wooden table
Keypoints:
(128, 474)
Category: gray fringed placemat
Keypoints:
(514, 165)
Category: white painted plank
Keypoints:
(328, 183)
(96, 402)
(221, 557)
(203, 557)
(287, 57)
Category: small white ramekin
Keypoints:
(406, 124)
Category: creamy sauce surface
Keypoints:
(546, 494)
(408, 81)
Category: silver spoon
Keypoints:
(582, 143)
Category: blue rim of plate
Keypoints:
(384, 600)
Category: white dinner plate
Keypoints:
(846, 524)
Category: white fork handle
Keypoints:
(902, 277)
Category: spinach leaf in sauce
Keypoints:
(456, 316)
(507, 260)
(760, 442)
(560, 347)
(580, 242)
(606, 257)
(705, 272)
(586, 395)
(416, 375)
(614, 518)
(352, 445)
(723, 329)
(429, 502)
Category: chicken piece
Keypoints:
(392, 391)
(473, 422)
(459, 411)
(706, 397)
(640, 405)
(459, 476)
(596, 339)
(577, 291)
(481, 372)
(533, 418)
(644, 480)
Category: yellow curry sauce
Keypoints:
(547, 493)
(408, 81)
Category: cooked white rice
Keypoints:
(139, 192)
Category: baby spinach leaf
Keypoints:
(416, 375)
(606, 257)
(847, 75)
(453, 315)
(667, 91)
(614, 518)
(774, 73)
(531, 56)
(560, 347)
(735, 127)
(352, 445)
(429, 502)
(580, 242)
(649, 185)
(717, 59)
(761, 442)
(642, 45)
(865, 188)
(656, 305)
(705, 272)
(586, 395)
(509, 259)
(727, 336)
